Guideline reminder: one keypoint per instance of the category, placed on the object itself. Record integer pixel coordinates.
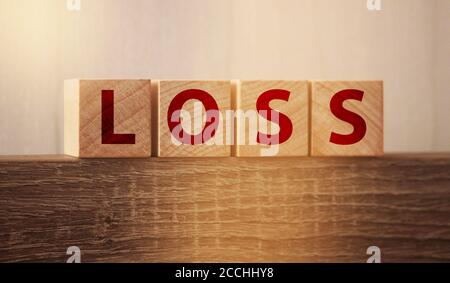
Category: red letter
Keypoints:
(212, 116)
(358, 123)
(264, 110)
(108, 135)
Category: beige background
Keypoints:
(407, 45)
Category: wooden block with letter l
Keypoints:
(347, 118)
(192, 118)
(272, 118)
(107, 118)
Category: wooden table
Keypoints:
(225, 209)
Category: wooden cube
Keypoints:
(347, 118)
(273, 118)
(107, 118)
(204, 134)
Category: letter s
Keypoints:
(338, 110)
(263, 108)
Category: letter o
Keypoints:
(212, 115)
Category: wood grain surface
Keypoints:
(225, 209)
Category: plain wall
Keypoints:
(406, 44)
(442, 73)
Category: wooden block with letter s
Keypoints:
(107, 118)
(280, 126)
(192, 118)
(347, 118)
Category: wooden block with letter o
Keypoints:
(107, 118)
(192, 118)
(347, 118)
(273, 118)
